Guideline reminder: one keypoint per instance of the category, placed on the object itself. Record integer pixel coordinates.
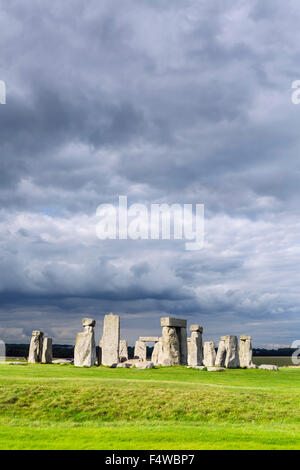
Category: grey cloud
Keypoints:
(178, 102)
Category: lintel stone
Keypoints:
(149, 339)
(173, 322)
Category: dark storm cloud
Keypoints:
(179, 102)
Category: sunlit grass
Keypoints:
(52, 406)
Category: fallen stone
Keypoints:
(196, 367)
(216, 369)
(123, 365)
(144, 365)
(268, 367)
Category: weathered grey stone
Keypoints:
(123, 350)
(196, 367)
(221, 354)
(182, 335)
(196, 328)
(167, 363)
(36, 347)
(144, 365)
(209, 354)
(110, 342)
(124, 365)
(149, 339)
(88, 322)
(140, 350)
(268, 367)
(157, 354)
(174, 341)
(195, 348)
(85, 346)
(170, 346)
(173, 322)
(216, 369)
(47, 351)
(245, 352)
(232, 352)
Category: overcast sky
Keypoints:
(163, 101)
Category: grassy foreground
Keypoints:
(62, 407)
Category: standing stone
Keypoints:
(195, 356)
(140, 350)
(36, 347)
(85, 346)
(245, 352)
(110, 342)
(174, 341)
(47, 351)
(157, 354)
(221, 354)
(171, 346)
(182, 335)
(232, 352)
(189, 350)
(123, 350)
(209, 359)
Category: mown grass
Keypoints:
(62, 407)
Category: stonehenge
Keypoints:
(36, 347)
(172, 348)
(47, 351)
(85, 346)
(209, 358)
(110, 342)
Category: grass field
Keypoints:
(63, 407)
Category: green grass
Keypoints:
(62, 407)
